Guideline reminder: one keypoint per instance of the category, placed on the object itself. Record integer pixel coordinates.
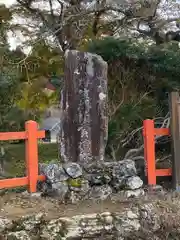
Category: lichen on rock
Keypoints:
(5, 224)
(19, 235)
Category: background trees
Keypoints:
(140, 79)
(9, 77)
(23, 77)
(138, 39)
(67, 21)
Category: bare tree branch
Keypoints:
(37, 12)
(116, 108)
(51, 9)
(161, 23)
(61, 12)
(73, 13)
(138, 151)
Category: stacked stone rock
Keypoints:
(69, 182)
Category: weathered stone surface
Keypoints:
(100, 192)
(53, 230)
(98, 178)
(121, 171)
(90, 226)
(127, 224)
(134, 182)
(73, 169)
(145, 221)
(79, 193)
(54, 172)
(20, 235)
(155, 189)
(134, 193)
(44, 187)
(5, 224)
(35, 195)
(84, 104)
(149, 217)
(30, 223)
(56, 189)
(71, 177)
(75, 197)
(118, 183)
(60, 189)
(124, 168)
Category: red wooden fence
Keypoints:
(149, 133)
(31, 136)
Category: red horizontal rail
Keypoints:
(163, 172)
(17, 182)
(161, 131)
(18, 135)
(31, 135)
(13, 182)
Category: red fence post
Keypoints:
(32, 154)
(145, 147)
(149, 150)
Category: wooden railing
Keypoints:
(31, 136)
(149, 133)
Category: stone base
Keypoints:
(71, 183)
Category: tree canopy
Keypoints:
(23, 78)
(68, 21)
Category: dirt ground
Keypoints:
(15, 205)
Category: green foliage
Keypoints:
(8, 94)
(23, 78)
(36, 70)
(9, 76)
(162, 60)
(116, 48)
(15, 157)
(57, 82)
(139, 79)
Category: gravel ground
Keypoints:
(15, 205)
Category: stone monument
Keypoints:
(84, 106)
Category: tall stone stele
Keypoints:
(84, 130)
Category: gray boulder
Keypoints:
(73, 170)
(54, 172)
(100, 192)
(124, 168)
(134, 182)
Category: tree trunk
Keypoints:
(83, 135)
